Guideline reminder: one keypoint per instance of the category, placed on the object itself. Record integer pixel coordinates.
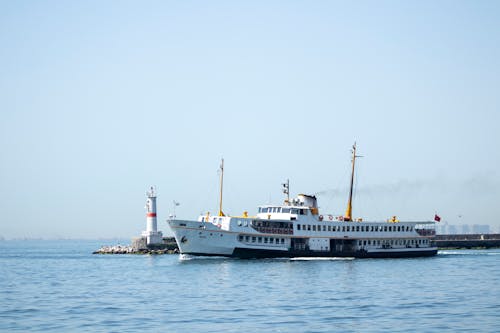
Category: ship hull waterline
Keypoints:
(244, 253)
(207, 240)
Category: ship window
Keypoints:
(329, 228)
(286, 210)
(253, 239)
(314, 228)
(247, 238)
(259, 239)
(282, 241)
(359, 242)
(364, 242)
(357, 228)
(324, 228)
(240, 238)
(265, 239)
(298, 226)
(385, 228)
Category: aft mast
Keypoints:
(221, 185)
(348, 212)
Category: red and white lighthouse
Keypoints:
(153, 236)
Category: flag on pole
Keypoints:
(437, 218)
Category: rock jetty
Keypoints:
(169, 246)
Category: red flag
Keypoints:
(437, 218)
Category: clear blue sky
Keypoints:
(101, 99)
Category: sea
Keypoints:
(60, 286)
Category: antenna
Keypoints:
(286, 191)
(175, 205)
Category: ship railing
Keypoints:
(426, 232)
(269, 230)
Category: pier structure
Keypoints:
(152, 235)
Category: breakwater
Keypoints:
(139, 246)
(467, 241)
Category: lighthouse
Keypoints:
(153, 236)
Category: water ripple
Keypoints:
(61, 287)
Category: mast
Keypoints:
(221, 185)
(348, 212)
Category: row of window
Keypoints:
(283, 210)
(394, 242)
(348, 228)
(265, 240)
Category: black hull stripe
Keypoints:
(258, 253)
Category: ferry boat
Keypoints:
(297, 229)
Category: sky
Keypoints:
(99, 100)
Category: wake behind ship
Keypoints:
(296, 229)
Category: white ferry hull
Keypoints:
(206, 239)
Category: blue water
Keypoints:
(59, 286)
